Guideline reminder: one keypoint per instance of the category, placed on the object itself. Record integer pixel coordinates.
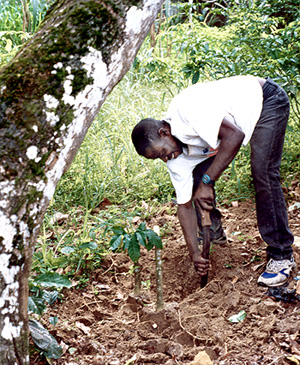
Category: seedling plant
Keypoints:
(130, 240)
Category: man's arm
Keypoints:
(231, 138)
(188, 221)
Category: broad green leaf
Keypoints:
(196, 77)
(141, 238)
(36, 305)
(142, 226)
(52, 280)
(34, 13)
(44, 341)
(59, 261)
(49, 256)
(153, 238)
(90, 245)
(126, 241)
(67, 250)
(92, 234)
(134, 249)
(118, 230)
(149, 246)
(50, 296)
(53, 320)
(115, 242)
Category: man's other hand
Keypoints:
(201, 265)
(204, 197)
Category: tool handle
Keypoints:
(205, 218)
(206, 222)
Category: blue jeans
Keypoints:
(266, 151)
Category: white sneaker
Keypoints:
(277, 272)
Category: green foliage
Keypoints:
(131, 240)
(51, 280)
(70, 249)
(107, 165)
(251, 43)
(22, 15)
(287, 10)
(38, 303)
(18, 21)
(10, 43)
(44, 340)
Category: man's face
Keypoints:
(166, 147)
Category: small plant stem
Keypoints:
(159, 280)
(159, 277)
(137, 278)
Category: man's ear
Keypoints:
(163, 132)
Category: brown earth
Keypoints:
(105, 324)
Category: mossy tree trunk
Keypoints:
(49, 95)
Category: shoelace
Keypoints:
(277, 265)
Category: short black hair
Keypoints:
(145, 133)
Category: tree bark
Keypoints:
(49, 95)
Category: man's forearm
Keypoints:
(188, 221)
(231, 139)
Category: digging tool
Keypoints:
(206, 223)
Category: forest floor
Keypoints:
(105, 324)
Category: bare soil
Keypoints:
(105, 324)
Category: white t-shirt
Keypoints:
(195, 116)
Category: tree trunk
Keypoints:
(49, 95)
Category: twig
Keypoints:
(86, 304)
(275, 361)
(188, 332)
(113, 264)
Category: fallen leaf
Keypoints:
(294, 206)
(120, 296)
(131, 360)
(83, 328)
(238, 317)
(156, 229)
(298, 287)
(136, 219)
(58, 218)
(103, 287)
(235, 279)
(256, 267)
(235, 204)
(296, 241)
(293, 359)
(145, 205)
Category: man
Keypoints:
(203, 130)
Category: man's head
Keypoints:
(153, 139)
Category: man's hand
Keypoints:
(204, 197)
(201, 265)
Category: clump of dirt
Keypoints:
(105, 324)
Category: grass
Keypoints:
(107, 165)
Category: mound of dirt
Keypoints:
(105, 324)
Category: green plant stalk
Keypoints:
(137, 278)
(159, 279)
